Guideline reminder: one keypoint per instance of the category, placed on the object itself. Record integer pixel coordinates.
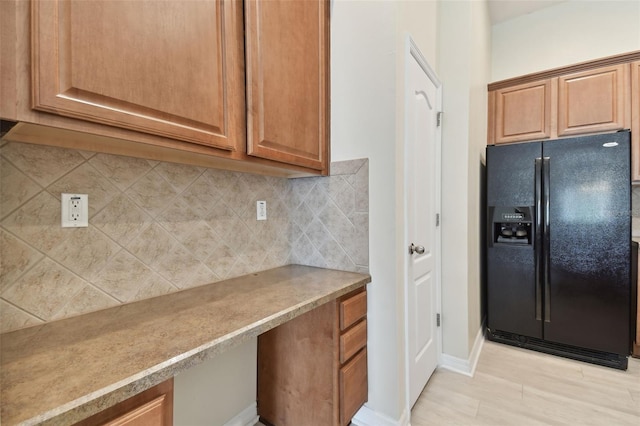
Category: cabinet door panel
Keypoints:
(153, 407)
(287, 81)
(593, 101)
(352, 341)
(353, 386)
(169, 68)
(352, 309)
(523, 112)
(149, 414)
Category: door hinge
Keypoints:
(439, 118)
(437, 219)
(437, 320)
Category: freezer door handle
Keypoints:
(538, 238)
(546, 182)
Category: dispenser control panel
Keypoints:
(513, 216)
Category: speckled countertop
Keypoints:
(65, 371)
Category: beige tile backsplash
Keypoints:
(157, 227)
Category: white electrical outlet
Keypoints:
(75, 210)
(261, 210)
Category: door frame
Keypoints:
(412, 52)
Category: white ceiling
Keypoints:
(503, 10)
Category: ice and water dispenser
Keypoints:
(512, 225)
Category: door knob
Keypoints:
(416, 249)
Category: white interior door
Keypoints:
(422, 184)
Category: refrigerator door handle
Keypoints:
(546, 187)
(538, 237)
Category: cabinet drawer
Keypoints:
(352, 341)
(352, 309)
(353, 386)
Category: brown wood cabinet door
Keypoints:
(522, 112)
(353, 386)
(169, 68)
(635, 132)
(593, 101)
(153, 407)
(353, 309)
(287, 59)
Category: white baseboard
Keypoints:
(368, 417)
(465, 366)
(247, 417)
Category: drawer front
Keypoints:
(352, 341)
(352, 309)
(353, 387)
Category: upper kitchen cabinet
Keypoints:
(173, 69)
(635, 129)
(589, 97)
(594, 101)
(287, 65)
(166, 80)
(522, 112)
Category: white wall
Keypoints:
(362, 125)
(568, 33)
(367, 45)
(463, 56)
(455, 19)
(215, 391)
(480, 63)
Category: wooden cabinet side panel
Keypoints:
(287, 61)
(594, 101)
(297, 370)
(491, 118)
(140, 66)
(151, 407)
(523, 112)
(635, 128)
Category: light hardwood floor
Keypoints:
(519, 387)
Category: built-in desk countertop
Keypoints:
(64, 371)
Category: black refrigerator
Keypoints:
(559, 261)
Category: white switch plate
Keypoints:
(75, 210)
(261, 210)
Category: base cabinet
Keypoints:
(313, 370)
(153, 407)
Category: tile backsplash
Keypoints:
(157, 227)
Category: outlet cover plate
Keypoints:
(75, 210)
(261, 210)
